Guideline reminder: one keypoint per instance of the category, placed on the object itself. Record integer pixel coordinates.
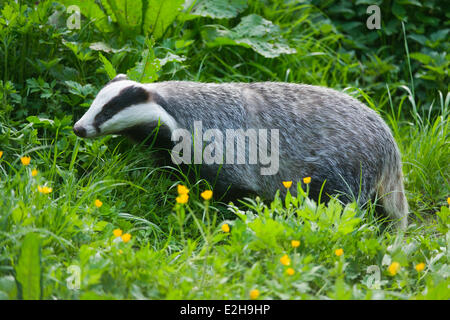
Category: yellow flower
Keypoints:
(420, 267)
(207, 194)
(117, 232)
(44, 189)
(287, 184)
(339, 252)
(98, 203)
(254, 294)
(295, 243)
(182, 189)
(448, 199)
(120, 251)
(285, 260)
(1, 154)
(126, 237)
(183, 198)
(25, 160)
(306, 180)
(290, 271)
(394, 268)
(225, 228)
(34, 173)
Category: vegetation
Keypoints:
(98, 219)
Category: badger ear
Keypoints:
(119, 77)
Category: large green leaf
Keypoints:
(127, 13)
(28, 269)
(219, 8)
(159, 15)
(253, 32)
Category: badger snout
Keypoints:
(79, 130)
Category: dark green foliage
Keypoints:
(381, 52)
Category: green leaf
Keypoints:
(80, 90)
(28, 269)
(127, 13)
(425, 59)
(99, 226)
(267, 232)
(439, 35)
(348, 221)
(218, 8)
(444, 215)
(159, 15)
(398, 10)
(10, 14)
(170, 57)
(419, 38)
(146, 70)
(109, 11)
(40, 121)
(108, 66)
(252, 32)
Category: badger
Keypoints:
(341, 144)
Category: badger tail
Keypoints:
(392, 192)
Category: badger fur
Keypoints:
(340, 143)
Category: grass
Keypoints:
(61, 245)
(181, 252)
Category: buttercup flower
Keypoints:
(126, 237)
(34, 173)
(254, 294)
(44, 189)
(287, 184)
(394, 268)
(306, 180)
(182, 189)
(285, 260)
(339, 252)
(225, 228)
(295, 243)
(448, 199)
(207, 194)
(1, 154)
(117, 232)
(98, 203)
(420, 267)
(182, 198)
(25, 160)
(290, 271)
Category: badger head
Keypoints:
(124, 107)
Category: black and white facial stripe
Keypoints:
(120, 105)
(127, 97)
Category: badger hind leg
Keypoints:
(392, 196)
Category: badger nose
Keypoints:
(79, 131)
